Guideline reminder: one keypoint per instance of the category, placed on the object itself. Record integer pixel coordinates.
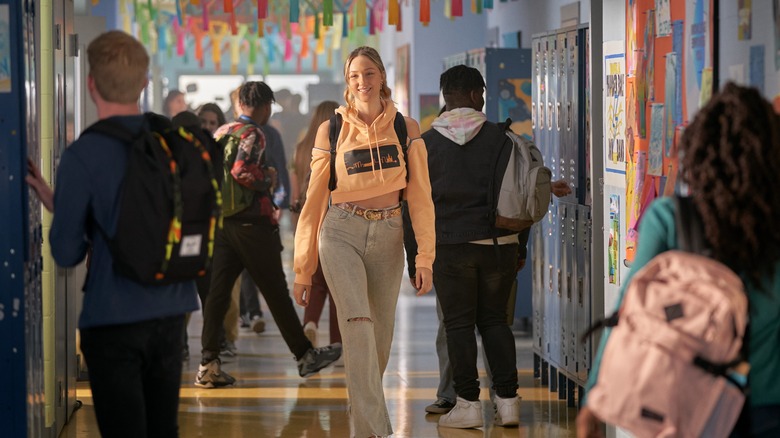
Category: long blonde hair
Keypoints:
(302, 157)
(373, 55)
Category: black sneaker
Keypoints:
(212, 376)
(318, 358)
(440, 406)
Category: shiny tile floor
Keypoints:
(270, 400)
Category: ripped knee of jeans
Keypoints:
(359, 319)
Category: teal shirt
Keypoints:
(657, 234)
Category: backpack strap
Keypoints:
(506, 125)
(113, 129)
(333, 136)
(690, 229)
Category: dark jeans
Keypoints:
(249, 302)
(758, 422)
(135, 374)
(256, 246)
(473, 288)
(318, 294)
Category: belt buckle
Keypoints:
(373, 215)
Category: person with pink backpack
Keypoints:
(730, 157)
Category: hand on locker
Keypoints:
(560, 188)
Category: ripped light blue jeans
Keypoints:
(363, 262)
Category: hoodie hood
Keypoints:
(460, 125)
(357, 134)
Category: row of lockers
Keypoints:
(561, 274)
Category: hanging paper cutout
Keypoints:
(392, 12)
(457, 8)
(295, 10)
(360, 13)
(327, 13)
(425, 11)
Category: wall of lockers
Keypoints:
(21, 345)
(561, 242)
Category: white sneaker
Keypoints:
(466, 414)
(258, 324)
(507, 411)
(310, 330)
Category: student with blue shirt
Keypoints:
(130, 333)
(730, 156)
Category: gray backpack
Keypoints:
(526, 187)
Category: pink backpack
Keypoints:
(665, 370)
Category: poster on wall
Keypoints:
(671, 102)
(5, 49)
(615, 107)
(401, 92)
(631, 49)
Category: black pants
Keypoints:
(473, 287)
(256, 246)
(135, 374)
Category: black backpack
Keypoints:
(399, 124)
(170, 203)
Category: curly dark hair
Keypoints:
(254, 94)
(461, 79)
(731, 159)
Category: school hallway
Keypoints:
(271, 400)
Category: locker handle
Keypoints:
(568, 287)
(559, 282)
(549, 115)
(568, 116)
(558, 116)
(533, 115)
(579, 290)
(551, 278)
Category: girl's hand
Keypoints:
(423, 281)
(301, 293)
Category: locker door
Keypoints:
(584, 233)
(538, 290)
(565, 309)
(572, 159)
(560, 106)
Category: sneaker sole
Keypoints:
(211, 385)
(511, 423)
(464, 425)
(432, 410)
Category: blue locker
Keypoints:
(21, 346)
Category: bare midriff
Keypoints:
(387, 200)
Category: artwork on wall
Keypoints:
(757, 66)
(429, 110)
(613, 248)
(670, 100)
(776, 14)
(663, 18)
(402, 91)
(697, 49)
(5, 49)
(656, 154)
(745, 13)
(514, 102)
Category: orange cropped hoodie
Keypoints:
(360, 177)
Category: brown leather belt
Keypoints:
(370, 214)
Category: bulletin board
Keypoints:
(670, 74)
